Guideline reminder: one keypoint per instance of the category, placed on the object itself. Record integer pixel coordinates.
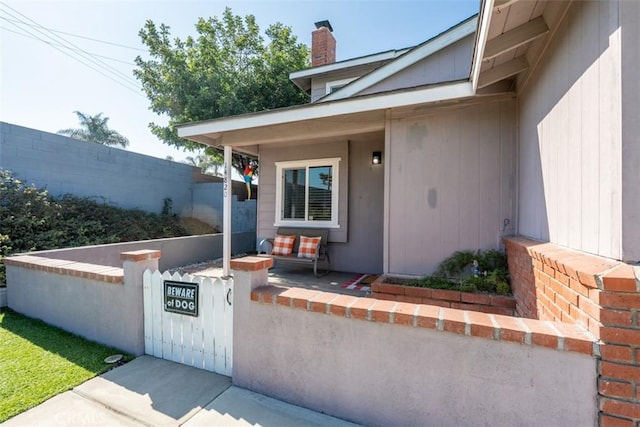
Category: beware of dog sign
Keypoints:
(181, 297)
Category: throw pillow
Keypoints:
(283, 245)
(308, 245)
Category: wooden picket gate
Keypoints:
(204, 341)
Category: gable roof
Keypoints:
(410, 57)
(302, 78)
(341, 113)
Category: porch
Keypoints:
(337, 282)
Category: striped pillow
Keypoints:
(308, 245)
(283, 245)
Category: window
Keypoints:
(307, 193)
(337, 84)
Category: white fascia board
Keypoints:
(416, 54)
(319, 110)
(336, 66)
(486, 11)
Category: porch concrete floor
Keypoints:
(292, 277)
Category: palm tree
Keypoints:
(207, 163)
(95, 129)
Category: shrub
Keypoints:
(33, 220)
(456, 273)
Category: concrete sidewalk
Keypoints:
(156, 392)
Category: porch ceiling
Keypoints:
(519, 31)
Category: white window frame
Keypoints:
(334, 162)
(334, 83)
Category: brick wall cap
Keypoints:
(251, 263)
(140, 255)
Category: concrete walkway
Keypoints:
(156, 392)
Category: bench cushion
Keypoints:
(283, 245)
(308, 246)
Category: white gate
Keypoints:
(204, 341)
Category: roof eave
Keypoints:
(212, 131)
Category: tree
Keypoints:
(95, 129)
(208, 164)
(227, 69)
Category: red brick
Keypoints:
(575, 339)
(511, 329)
(404, 313)
(427, 316)
(578, 287)
(616, 317)
(504, 311)
(607, 421)
(482, 299)
(444, 294)
(503, 301)
(481, 325)
(619, 371)
(389, 288)
(617, 407)
(541, 333)
(464, 306)
(381, 311)
(562, 278)
(592, 309)
(453, 320)
(319, 301)
(338, 306)
(413, 300)
(621, 278)
(620, 335)
(616, 352)
(620, 300)
(615, 389)
(255, 296)
(387, 297)
(360, 309)
(417, 292)
(439, 303)
(251, 263)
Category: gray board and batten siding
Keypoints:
(357, 245)
(449, 64)
(451, 183)
(579, 153)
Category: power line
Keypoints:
(79, 36)
(78, 53)
(58, 44)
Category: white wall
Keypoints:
(570, 135)
(451, 183)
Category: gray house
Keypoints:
(521, 120)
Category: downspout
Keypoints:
(226, 213)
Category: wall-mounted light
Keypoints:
(376, 157)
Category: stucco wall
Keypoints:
(377, 373)
(208, 206)
(116, 176)
(570, 135)
(451, 183)
(177, 251)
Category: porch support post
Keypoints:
(226, 213)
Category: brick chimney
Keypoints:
(323, 45)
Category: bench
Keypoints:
(322, 256)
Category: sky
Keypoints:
(41, 85)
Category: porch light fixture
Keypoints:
(376, 158)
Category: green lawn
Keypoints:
(38, 361)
